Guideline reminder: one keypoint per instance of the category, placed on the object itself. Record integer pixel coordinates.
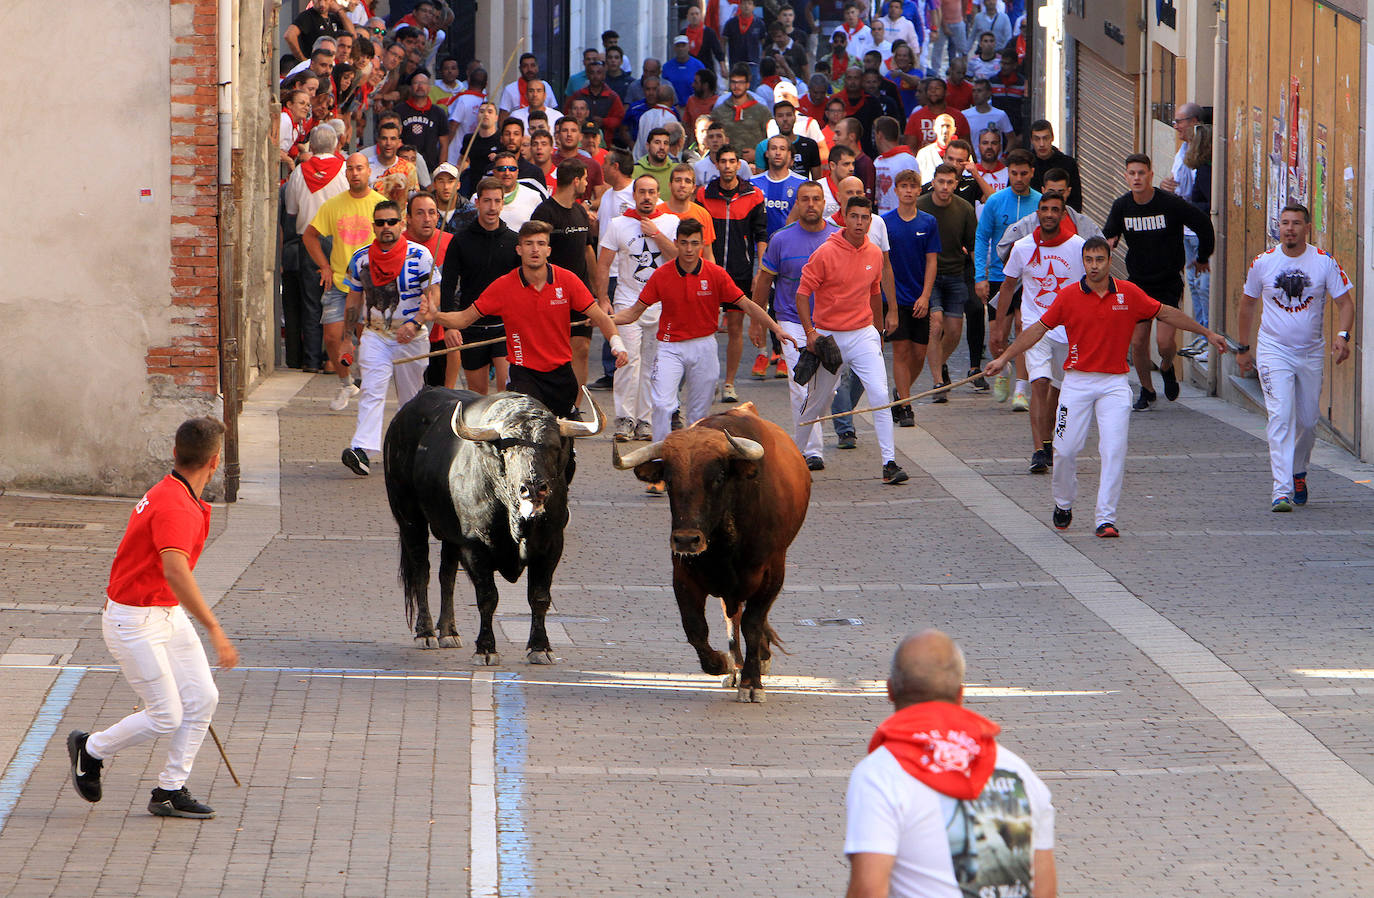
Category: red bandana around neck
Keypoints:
(634, 213)
(385, 265)
(425, 108)
(694, 38)
(1066, 230)
(839, 64)
(739, 109)
(898, 150)
(318, 171)
(850, 108)
(745, 24)
(948, 747)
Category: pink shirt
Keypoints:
(842, 278)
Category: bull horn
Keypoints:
(476, 434)
(582, 428)
(637, 457)
(745, 448)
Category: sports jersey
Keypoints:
(538, 322)
(806, 152)
(636, 256)
(778, 198)
(1099, 328)
(348, 219)
(913, 239)
(787, 253)
(169, 517)
(1293, 293)
(691, 301)
(388, 306)
(1044, 270)
(886, 167)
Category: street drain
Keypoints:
(53, 525)
(831, 622)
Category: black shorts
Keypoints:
(1012, 307)
(581, 326)
(557, 389)
(438, 365)
(745, 288)
(1169, 294)
(911, 328)
(478, 359)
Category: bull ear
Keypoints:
(650, 471)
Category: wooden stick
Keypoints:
(430, 355)
(500, 84)
(220, 746)
(909, 399)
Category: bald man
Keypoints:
(938, 805)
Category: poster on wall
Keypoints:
(1319, 183)
(1297, 146)
(1278, 172)
(1238, 172)
(1257, 187)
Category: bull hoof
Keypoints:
(486, 659)
(755, 695)
(426, 642)
(450, 642)
(730, 680)
(534, 657)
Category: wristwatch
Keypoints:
(1242, 347)
(1344, 335)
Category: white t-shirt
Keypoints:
(886, 167)
(520, 205)
(510, 96)
(614, 202)
(1184, 176)
(978, 67)
(978, 122)
(888, 811)
(902, 30)
(1293, 295)
(995, 179)
(1044, 271)
(523, 115)
(929, 158)
(636, 256)
(707, 172)
(303, 202)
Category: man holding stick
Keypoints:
(482, 252)
(152, 587)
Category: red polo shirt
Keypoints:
(691, 301)
(537, 322)
(1099, 327)
(169, 518)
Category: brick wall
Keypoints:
(189, 364)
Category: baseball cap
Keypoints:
(590, 128)
(839, 30)
(680, 39)
(446, 169)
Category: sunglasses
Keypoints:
(386, 222)
(505, 168)
(377, 30)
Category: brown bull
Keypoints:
(738, 488)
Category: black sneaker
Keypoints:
(1063, 517)
(908, 418)
(815, 463)
(893, 475)
(940, 397)
(1146, 399)
(1170, 383)
(85, 769)
(604, 382)
(980, 383)
(1039, 463)
(179, 803)
(356, 461)
(1107, 530)
(848, 440)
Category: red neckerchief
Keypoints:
(839, 221)
(1066, 230)
(471, 92)
(437, 245)
(991, 171)
(634, 213)
(851, 108)
(745, 24)
(739, 110)
(771, 80)
(849, 35)
(410, 101)
(811, 108)
(898, 150)
(694, 38)
(318, 171)
(834, 188)
(949, 748)
(386, 265)
(838, 65)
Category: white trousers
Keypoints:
(1083, 396)
(1292, 383)
(695, 362)
(162, 658)
(862, 351)
(633, 386)
(797, 392)
(375, 356)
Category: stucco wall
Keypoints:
(86, 286)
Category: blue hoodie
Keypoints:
(1002, 210)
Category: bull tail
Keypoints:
(413, 571)
(773, 639)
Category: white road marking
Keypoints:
(484, 875)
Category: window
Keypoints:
(1163, 84)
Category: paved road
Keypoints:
(1196, 694)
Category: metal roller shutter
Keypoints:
(1106, 133)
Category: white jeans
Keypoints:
(1083, 396)
(797, 392)
(862, 351)
(162, 658)
(633, 388)
(695, 361)
(375, 356)
(1292, 383)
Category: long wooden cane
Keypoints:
(500, 83)
(907, 400)
(223, 756)
(430, 355)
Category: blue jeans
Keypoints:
(846, 396)
(1199, 282)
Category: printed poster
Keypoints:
(1319, 183)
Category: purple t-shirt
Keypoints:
(788, 251)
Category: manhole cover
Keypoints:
(52, 525)
(831, 622)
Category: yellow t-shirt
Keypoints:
(349, 221)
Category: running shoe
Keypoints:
(1063, 517)
(940, 397)
(178, 803)
(908, 418)
(1170, 383)
(892, 474)
(85, 769)
(760, 369)
(728, 394)
(1300, 488)
(1001, 388)
(1107, 530)
(356, 460)
(1039, 463)
(779, 368)
(644, 432)
(980, 383)
(624, 430)
(1282, 503)
(346, 392)
(604, 382)
(815, 463)
(1020, 402)
(848, 440)
(1145, 400)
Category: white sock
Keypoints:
(1021, 387)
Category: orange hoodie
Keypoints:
(841, 278)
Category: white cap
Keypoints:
(680, 39)
(445, 169)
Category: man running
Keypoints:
(843, 279)
(1099, 315)
(1292, 281)
(1008, 205)
(957, 227)
(481, 253)
(913, 273)
(152, 588)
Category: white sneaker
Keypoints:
(346, 392)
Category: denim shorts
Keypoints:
(332, 306)
(948, 295)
